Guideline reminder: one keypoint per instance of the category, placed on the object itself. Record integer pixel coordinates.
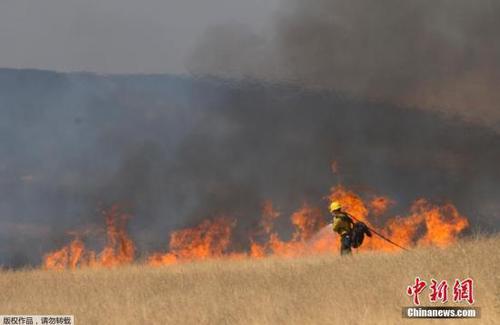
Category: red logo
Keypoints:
(416, 289)
(439, 291)
(462, 290)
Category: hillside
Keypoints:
(174, 151)
(368, 288)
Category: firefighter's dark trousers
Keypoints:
(345, 244)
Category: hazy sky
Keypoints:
(115, 36)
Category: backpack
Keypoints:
(359, 231)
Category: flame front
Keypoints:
(425, 224)
(119, 248)
(210, 239)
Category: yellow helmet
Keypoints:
(335, 205)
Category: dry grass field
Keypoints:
(367, 288)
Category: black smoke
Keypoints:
(441, 55)
(173, 151)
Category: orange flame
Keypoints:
(443, 223)
(210, 239)
(119, 248)
(68, 256)
(426, 224)
(380, 204)
(269, 216)
(350, 201)
(306, 221)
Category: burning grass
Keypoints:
(320, 289)
(426, 224)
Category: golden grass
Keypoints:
(365, 289)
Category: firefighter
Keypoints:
(342, 225)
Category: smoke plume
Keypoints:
(401, 95)
(173, 151)
(442, 55)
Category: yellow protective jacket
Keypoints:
(342, 223)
